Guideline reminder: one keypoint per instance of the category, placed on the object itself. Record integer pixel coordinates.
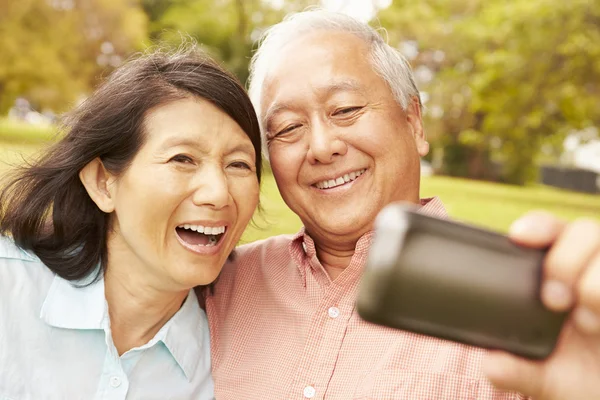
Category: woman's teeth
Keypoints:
(198, 235)
(207, 230)
(331, 183)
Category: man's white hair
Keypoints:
(388, 62)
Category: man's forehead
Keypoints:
(280, 97)
(317, 64)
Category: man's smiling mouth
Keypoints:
(198, 235)
(331, 183)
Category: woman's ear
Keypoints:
(97, 182)
(415, 121)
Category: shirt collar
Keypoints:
(433, 207)
(302, 246)
(75, 306)
(184, 335)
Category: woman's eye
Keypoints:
(240, 165)
(182, 158)
(346, 110)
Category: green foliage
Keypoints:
(508, 77)
(226, 28)
(515, 75)
(50, 48)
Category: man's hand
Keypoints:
(571, 279)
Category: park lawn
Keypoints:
(485, 204)
(495, 205)
(13, 153)
(482, 203)
(19, 132)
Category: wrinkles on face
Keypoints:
(197, 167)
(340, 117)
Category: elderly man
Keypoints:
(342, 125)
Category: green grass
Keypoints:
(495, 205)
(19, 132)
(485, 204)
(13, 153)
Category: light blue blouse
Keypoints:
(55, 342)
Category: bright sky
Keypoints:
(359, 9)
(363, 10)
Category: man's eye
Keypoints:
(182, 158)
(346, 110)
(287, 130)
(240, 165)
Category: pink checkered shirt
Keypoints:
(281, 329)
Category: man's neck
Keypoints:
(335, 261)
(335, 252)
(137, 311)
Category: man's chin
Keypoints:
(338, 224)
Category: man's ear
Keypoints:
(97, 182)
(413, 117)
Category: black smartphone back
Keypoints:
(456, 282)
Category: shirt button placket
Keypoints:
(115, 381)
(309, 392)
(333, 312)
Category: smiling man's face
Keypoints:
(340, 146)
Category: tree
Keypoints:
(227, 29)
(506, 77)
(54, 51)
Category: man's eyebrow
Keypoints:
(348, 85)
(274, 110)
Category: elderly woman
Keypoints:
(107, 234)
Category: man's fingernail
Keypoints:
(587, 320)
(556, 295)
(534, 223)
(520, 226)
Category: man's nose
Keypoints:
(211, 188)
(325, 144)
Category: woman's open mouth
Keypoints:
(198, 237)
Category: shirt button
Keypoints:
(115, 381)
(333, 312)
(309, 392)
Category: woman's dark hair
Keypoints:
(45, 207)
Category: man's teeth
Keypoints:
(207, 230)
(331, 183)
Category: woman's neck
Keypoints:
(137, 311)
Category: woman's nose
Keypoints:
(212, 188)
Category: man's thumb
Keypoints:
(511, 373)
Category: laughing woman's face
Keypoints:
(185, 200)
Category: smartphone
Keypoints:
(456, 282)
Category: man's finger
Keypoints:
(567, 259)
(536, 229)
(508, 372)
(587, 314)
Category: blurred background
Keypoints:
(511, 88)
